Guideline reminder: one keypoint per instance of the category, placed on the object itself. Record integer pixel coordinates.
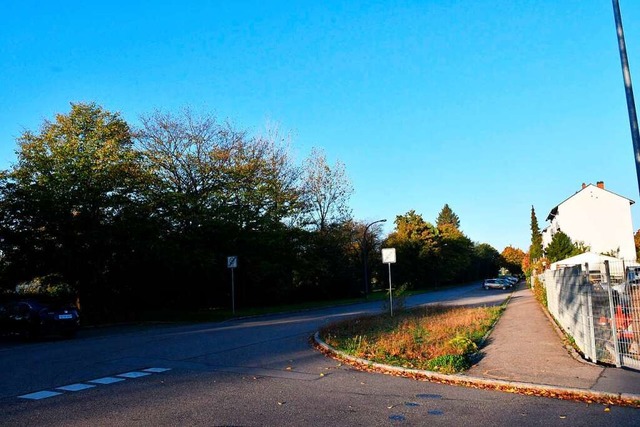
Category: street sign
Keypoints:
(232, 262)
(389, 255)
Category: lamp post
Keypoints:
(628, 88)
(364, 254)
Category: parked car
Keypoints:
(511, 279)
(496, 284)
(31, 318)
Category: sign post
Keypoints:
(389, 257)
(232, 263)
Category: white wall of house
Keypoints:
(599, 218)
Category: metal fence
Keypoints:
(599, 307)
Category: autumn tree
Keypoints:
(220, 191)
(326, 190)
(512, 259)
(447, 217)
(207, 169)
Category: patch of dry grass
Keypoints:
(434, 337)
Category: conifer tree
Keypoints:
(447, 216)
(535, 251)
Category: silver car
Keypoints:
(496, 284)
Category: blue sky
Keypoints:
(491, 106)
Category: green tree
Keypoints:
(535, 251)
(417, 245)
(454, 256)
(447, 216)
(560, 247)
(68, 205)
(485, 262)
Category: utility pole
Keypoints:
(628, 88)
(364, 255)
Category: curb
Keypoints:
(562, 393)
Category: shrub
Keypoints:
(463, 344)
(449, 364)
(399, 297)
(50, 286)
(540, 291)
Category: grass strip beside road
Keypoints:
(436, 338)
(217, 314)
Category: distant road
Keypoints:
(257, 371)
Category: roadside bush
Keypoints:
(50, 286)
(540, 291)
(463, 344)
(449, 364)
(399, 299)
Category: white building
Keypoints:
(598, 218)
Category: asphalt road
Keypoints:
(250, 372)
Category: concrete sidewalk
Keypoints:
(526, 347)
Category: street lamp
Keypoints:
(364, 255)
(628, 88)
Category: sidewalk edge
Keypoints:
(563, 393)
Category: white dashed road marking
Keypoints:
(75, 387)
(107, 380)
(134, 374)
(40, 395)
(100, 381)
(156, 370)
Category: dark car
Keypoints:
(32, 318)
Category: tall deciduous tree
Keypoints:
(326, 190)
(512, 259)
(221, 191)
(447, 217)
(455, 254)
(63, 204)
(209, 170)
(486, 261)
(535, 251)
(417, 245)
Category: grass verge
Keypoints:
(435, 338)
(217, 314)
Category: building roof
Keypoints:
(554, 211)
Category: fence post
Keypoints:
(584, 314)
(592, 331)
(612, 318)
